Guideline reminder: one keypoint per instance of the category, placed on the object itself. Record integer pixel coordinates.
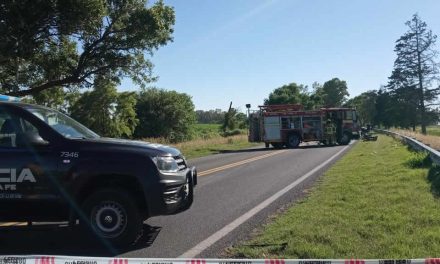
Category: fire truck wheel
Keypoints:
(345, 139)
(277, 145)
(293, 141)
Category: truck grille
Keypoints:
(180, 162)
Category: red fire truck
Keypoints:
(289, 125)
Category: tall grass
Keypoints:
(203, 147)
(431, 139)
(207, 139)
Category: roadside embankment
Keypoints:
(379, 201)
(432, 139)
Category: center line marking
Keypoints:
(199, 248)
(232, 165)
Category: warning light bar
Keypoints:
(6, 98)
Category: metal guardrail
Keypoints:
(413, 143)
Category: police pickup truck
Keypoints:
(54, 169)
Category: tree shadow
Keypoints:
(434, 179)
(63, 240)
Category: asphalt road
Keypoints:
(232, 190)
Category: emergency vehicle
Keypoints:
(54, 169)
(289, 125)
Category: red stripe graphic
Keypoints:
(274, 261)
(432, 261)
(196, 261)
(116, 261)
(354, 261)
(45, 260)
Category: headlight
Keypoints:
(166, 164)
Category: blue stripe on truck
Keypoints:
(9, 98)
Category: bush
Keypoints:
(419, 160)
(167, 114)
(229, 133)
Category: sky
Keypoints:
(241, 50)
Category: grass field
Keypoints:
(372, 203)
(432, 130)
(204, 147)
(206, 131)
(207, 141)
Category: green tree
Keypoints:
(210, 117)
(51, 44)
(333, 93)
(166, 114)
(242, 120)
(105, 111)
(58, 98)
(230, 120)
(233, 119)
(416, 71)
(365, 105)
(291, 94)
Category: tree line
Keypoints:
(56, 50)
(149, 113)
(410, 98)
(332, 93)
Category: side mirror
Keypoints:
(30, 139)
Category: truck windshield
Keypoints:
(63, 124)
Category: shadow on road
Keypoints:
(271, 149)
(221, 151)
(316, 146)
(54, 240)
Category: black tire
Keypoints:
(345, 139)
(112, 215)
(293, 141)
(188, 194)
(266, 145)
(277, 145)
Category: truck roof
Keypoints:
(296, 110)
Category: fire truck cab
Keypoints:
(289, 125)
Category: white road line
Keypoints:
(199, 248)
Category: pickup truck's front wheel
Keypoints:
(112, 214)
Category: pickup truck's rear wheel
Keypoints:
(112, 214)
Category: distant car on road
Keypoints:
(52, 168)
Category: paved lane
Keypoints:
(222, 196)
